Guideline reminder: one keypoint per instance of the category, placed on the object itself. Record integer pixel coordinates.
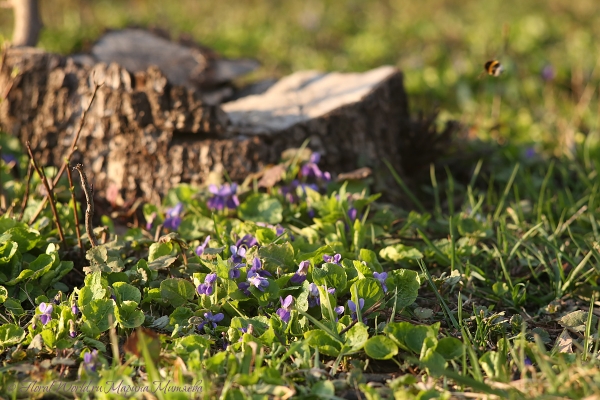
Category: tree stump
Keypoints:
(143, 135)
(184, 63)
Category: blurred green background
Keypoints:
(547, 96)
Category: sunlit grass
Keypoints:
(440, 45)
(521, 231)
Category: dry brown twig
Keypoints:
(71, 151)
(157, 234)
(2, 198)
(49, 193)
(89, 212)
(75, 213)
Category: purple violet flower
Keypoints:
(46, 310)
(352, 307)
(173, 219)
(200, 249)
(90, 360)
(234, 272)
(312, 170)
(258, 282)
(211, 319)
(332, 259)
(381, 277)
(225, 342)
(279, 230)
(352, 214)
(207, 287)
(256, 277)
(289, 191)
(244, 286)
(225, 196)
(530, 152)
(72, 331)
(339, 310)
(243, 330)
(248, 241)
(548, 73)
(9, 159)
(248, 329)
(257, 269)
(75, 309)
(300, 275)
(286, 307)
(150, 221)
(237, 253)
(313, 295)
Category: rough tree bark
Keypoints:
(143, 135)
(28, 23)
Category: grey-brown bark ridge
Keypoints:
(143, 135)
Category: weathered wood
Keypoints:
(143, 135)
(127, 136)
(184, 63)
(351, 118)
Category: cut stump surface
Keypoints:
(143, 135)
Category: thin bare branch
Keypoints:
(2, 198)
(89, 212)
(75, 213)
(71, 151)
(49, 193)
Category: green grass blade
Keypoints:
(447, 311)
(433, 246)
(436, 192)
(540, 201)
(575, 273)
(405, 188)
(321, 325)
(509, 184)
(450, 192)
